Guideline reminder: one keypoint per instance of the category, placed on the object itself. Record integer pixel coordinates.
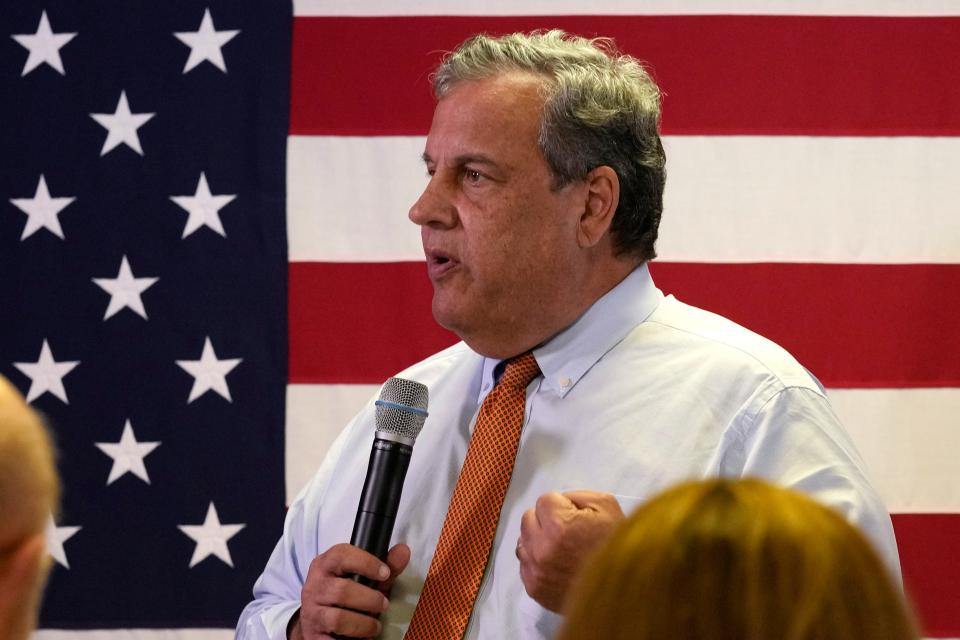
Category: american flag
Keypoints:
(812, 196)
(143, 271)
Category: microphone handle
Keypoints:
(380, 499)
(377, 511)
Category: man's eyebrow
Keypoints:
(467, 158)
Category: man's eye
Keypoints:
(472, 176)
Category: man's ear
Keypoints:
(602, 198)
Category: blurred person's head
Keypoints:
(29, 491)
(735, 560)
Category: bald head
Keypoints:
(28, 479)
(29, 491)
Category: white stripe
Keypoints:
(811, 199)
(909, 438)
(621, 7)
(134, 634)
(315, 416)
(348, 197)
(728, 199)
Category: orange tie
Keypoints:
(466, 538)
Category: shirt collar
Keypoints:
(567, 356)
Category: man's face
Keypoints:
(499, 241)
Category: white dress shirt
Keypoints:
(640, 393)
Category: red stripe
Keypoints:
(930, 559)
(359, 323)
(852, 325)
(721, 74)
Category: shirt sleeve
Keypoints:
(795, 440)
(276, 593)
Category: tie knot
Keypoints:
(520, 371)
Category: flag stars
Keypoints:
(44, 46)
(125, 291)
(121, 126)
(211, 537)
(203, 207)
(127, 455)
(206, 43)
(209, 372)
(43, 211)
(56, 536)
(46, 374)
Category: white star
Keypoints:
(121, 126)
(211, 537)
(42, 211)
(125, 290)
(56, 536)
(209, 373)
(205, 43)
(128, 455)
(44, 46)
(204, 208)
(46, 374)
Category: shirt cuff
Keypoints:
(276, 618)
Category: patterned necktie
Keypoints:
(458, 564)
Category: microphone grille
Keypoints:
(402, 408)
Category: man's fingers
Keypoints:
(593, 500)
(529, 526)
(554, 511)
(334, 604)
(343, 559)
(397, 559)
(342, 622)
(344, 592)
(549, 504)
(522, 553)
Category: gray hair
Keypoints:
(601, 108)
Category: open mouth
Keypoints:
(438, 257)
(439, 263)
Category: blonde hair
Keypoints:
(735, 560)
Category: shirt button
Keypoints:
(565, 382)
(486, 385)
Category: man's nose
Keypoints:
(434, 207)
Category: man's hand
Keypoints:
(556, 535)
(331, 603)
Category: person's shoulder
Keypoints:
(725, 343)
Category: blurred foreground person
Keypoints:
(736, 560)
(29, 491)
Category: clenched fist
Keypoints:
(556, 535)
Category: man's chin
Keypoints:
(450, 317)
(444, 317)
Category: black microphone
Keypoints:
(400, 413)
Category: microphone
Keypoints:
(400, 413)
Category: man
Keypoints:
(541, 211)
(28, 494)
